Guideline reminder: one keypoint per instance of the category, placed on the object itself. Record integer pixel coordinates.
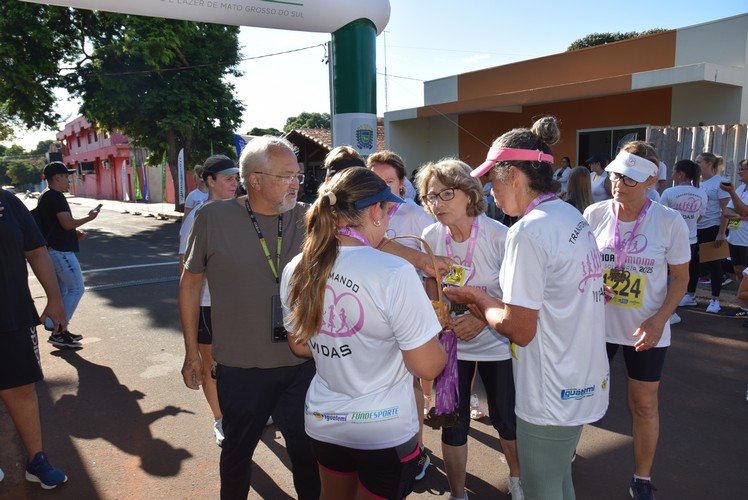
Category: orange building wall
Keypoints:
(651, 107)
(621, 58)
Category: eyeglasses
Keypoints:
(288, 179)
(627, 181)
(444, 195)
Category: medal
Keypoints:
(618, 275)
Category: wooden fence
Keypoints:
(678, 143)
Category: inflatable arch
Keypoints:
(354, 26)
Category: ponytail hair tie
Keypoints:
(332, 198)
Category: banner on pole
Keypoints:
(125, 195)
(180, 175)
(145, 182)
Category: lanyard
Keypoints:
(273, 267)
(468, 261)
(621, 247)
(394, 209)
(354, 233)
(537, 201)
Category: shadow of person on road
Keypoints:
(104, 408)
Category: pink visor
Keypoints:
(509, 154)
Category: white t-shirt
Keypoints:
(553, 266)
(184, 233)
(488, 345)
(660, 240)
(362, 394)
(194, 198)
(563, 177)
(714, 195)
(598, 187)
(690, 201)
(410, 190)
(409, 220)
(738, 229)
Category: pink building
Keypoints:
(97, 156)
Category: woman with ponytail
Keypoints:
(364, 317)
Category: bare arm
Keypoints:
(190, 286)
(68, 222)
(517, 323)
(300, 349)
(740, 207)
(650, 331)
(426, 361)
(44, 270)
(722, 225)
(420, 260)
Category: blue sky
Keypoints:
(430, 40)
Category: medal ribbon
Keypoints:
(468, 261)
(354, 233)
(621, 247)
(537, 201)
(273, 267)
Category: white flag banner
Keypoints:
(125, 196)
(180, 175)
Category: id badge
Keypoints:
(457, 275)
(278, 331)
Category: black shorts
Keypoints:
(644, 366)
(739, 255)
(388, 473)
(204, 327)
(19, 359)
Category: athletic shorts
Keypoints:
(388, 473)
(19, 359)
(204, 327)
(644, 366)
(739, 255)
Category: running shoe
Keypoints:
(476, 412)
(727, 281)
(2, 474)
(218, 431)
(688, 300)
(713, 306)
(63, 339)
(423, 463)
(674, 319)
(705, 281)
(74, 336)
(39, 470)
(642, 490)
(515, 488)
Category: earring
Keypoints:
(377, 223)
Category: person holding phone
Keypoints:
(60, 229)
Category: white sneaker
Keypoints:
(218, 431)
(269, 422)
(713, 306)
(688, 300)
(674, 319)
(515, 488)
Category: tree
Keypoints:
(24, 172)
(159, 81)
(307, 120)
(265, 131)
(595, 39)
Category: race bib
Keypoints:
(629, 289)
(733, 224)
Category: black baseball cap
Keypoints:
(225, 167)
(56, 167)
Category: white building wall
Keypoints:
(419, 141)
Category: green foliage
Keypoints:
(265, 131)
(594, 39)
(23, 172)
(307, 120)
(42, 147)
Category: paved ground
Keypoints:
(118, 419)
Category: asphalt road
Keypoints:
(119, 421)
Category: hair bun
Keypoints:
(546, 128)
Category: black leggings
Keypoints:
(716, 269)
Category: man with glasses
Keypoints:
(242, 246)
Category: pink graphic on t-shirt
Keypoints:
(345, 315)
(690, 204)
(592, 266)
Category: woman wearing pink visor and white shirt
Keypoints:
(552, 309)
(640, 241)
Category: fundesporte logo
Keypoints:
(365, 137)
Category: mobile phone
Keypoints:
(278, 331)
(98, 207)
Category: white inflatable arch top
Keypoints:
(322, 16)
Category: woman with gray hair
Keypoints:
(475, 243)
(551, 310)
